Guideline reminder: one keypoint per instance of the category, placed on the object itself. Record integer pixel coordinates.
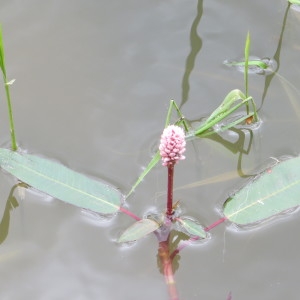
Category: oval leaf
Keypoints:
(138, 230)
(192, 227)
(60, 182)
(275, 190)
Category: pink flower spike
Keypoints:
(172, 145)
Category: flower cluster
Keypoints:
(172, 145)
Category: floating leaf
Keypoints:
(275, 190)
(193, 227)
(60, 182)
(138, 230)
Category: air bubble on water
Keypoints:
(97, 218)
(295, 7)
(253, 69)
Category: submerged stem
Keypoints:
(166, 262)
(188, 242)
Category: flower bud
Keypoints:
(172, 145)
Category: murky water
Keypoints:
(93, 84)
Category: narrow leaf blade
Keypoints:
(2, 59)
(150, 166)
(60, 182)
(247, 51)
(274, 191)
(138, 230)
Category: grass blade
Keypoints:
(247, 50)
(7, 91)
(2, 58)
(151, 165)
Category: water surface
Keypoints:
(93, 84)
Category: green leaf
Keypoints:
(192, 227)
(274, 191)
(2, 58)
(231, 98)
(60, 182)
(138, 230)
(151, 165)
(234, 100)
(294, 1)
(247, 51)
(7, 92)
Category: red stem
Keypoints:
(166, 262)
(213, 225)
(170, 190)
(129, 213)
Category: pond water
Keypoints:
(93, 85)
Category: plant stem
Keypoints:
(246, 67)
(208, 228)
(7, 84)
(166, 262)
(170, 190)
(170, 110)
(246, 75)
(11, 119)
(129, 213)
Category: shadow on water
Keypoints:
(11, 203)
(276, 57)
(196, 45)
(240, 146)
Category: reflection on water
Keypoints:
(276, 56)
(242, 145)
(196, 44)
(11, 203)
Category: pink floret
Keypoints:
(172, 145)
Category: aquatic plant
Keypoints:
(7, 91)
(257, 201)
(294, 2)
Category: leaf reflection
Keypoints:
(11, 203)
